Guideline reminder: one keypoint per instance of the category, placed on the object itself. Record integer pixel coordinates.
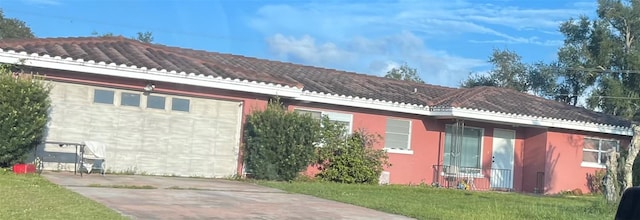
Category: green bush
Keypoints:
(349, 158)
(24, 105)
(279, 144)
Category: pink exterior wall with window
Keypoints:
(407, 168)
(564, 156)
(426, 145)
(544, 161)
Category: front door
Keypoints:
(502, 159)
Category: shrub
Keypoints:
(349, 158)
(279, 144)
(595, 181)
(24, 105)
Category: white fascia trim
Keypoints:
(539, 121)
(111, 69)
(514, 119)
(359, 102)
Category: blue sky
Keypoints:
(444, 40)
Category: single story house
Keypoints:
(172, 111)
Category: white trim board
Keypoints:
(111, 69)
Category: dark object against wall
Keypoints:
(629, 207)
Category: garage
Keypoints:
(145, 133)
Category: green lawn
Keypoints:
(33, 197)
(433, 203)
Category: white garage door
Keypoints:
(155, 134)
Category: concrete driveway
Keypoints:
(194, 198)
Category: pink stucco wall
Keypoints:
(534, 160)
(563, 160)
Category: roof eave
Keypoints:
(540, 121)
(360, 102)
(124, 71)
(453, 112)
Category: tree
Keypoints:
(107, 34)
(145, 37)
(475, 80)
(575, 60)
(24, 106)
(404, 72)
(510, 72)
(11, 28)
(602, 53)
(613, 50)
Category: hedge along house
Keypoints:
(188, 122)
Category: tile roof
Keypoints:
(510, 101)
(121, 50)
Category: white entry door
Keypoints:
(502, 159)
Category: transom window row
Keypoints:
(134, 99)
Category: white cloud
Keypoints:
(435, 18)
(532, 40)
(306, 50)
(372, 37)
(43, 2)
(381, 67)
(376, 56)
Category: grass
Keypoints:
(433, 203)
(33, 197)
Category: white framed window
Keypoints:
(156, 102)
(594, 151)
(340, 118)
(129, 99)
(178, 104)
(463, 154)
(103, 96)
(398, 135)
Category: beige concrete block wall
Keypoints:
(202, 142)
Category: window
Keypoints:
(103, 96)
(595, 150)
(313, 114)
(129, 99)
(462, 152)
(398, 134)
(156, 102)
(340, 118)
(179, 104)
